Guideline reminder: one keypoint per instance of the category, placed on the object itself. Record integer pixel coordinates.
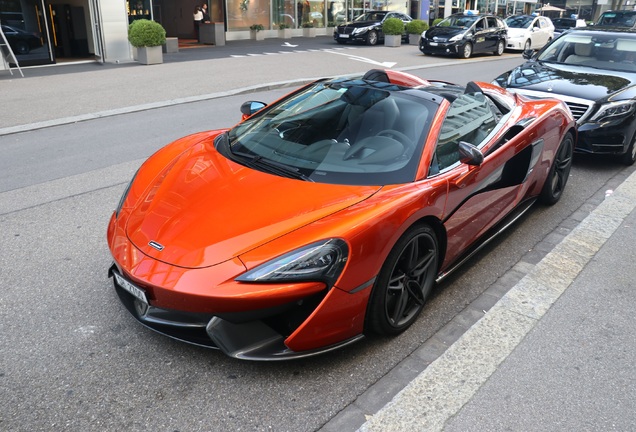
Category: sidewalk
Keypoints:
(557, 352)
(550, 346)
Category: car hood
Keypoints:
(517, 32)
(568, 80)
(443, 32)
(204, 209)
(360, 24)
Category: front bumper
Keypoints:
(251, 335)
(440, 48)
(517, 44)
(602, 139)
(350, 37)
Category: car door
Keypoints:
(540, 33)
(481, 41)
(478, 195)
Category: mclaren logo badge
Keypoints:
(156, 245)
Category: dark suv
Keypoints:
(619, 18)
(462, 35)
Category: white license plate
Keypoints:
(132, 289)
(433, 43)
(343, 36)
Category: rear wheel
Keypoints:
(559, 172)
(500, 48)
(466, 51)
(372, 38)
(404, 283)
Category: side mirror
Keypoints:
(251, 107)
(469, 154)
(527, 54)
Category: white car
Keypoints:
(528, 32)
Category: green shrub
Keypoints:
(282, 26)
(393, 26)
(308, 24)
(257, 27)
(146, 33)
(416, 27)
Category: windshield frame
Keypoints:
(330, 132)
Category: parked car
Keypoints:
(529, 32)
(21, 41)
(618, 18)
(593, 70)
(463, 35)
(330, 213)
(367, 28)
(563, 24)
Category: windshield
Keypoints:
(461, 21)
(609, 51)
(519, 21)
(371, 16)
(340, 131)
(618, 19)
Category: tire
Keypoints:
(501, 46)
(629, 157)
(372, 38)
(559, 172)
(404, 282)
(466, 51)
(527, 45)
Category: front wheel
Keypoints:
(630, 155)
(559, 172)
(466, 51)
(501, 46)
(372, 38)
(528, 45)
(404, 282)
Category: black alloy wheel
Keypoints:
(372, 37)
(404, 283)
(559, 172)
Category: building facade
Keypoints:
(53, 31)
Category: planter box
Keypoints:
(150, 55)
(392, 40)
(257, 35)
(309, 32)
(285, 33)
(414, 39)
(171, 45)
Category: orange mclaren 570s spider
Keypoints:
(330, 213)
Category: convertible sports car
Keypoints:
(331, 213)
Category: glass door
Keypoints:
(25, 24)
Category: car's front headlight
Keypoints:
(613, 111)
(457, 38)
(360, 30)
(320, 261)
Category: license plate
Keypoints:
(433, 43)
(132, 289)
(343, 36)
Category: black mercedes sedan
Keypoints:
(593, 70)
(462, 35)
(367, 28)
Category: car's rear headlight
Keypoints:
(320, 261)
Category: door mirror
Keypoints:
(469, 154)
(251, 107)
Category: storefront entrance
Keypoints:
(44, 32)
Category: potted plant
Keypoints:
(309, 30)
(256, 32)
(393, 29)
(415, 29)
(284, 31)
(147, 37)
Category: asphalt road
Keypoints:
(73, 358)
